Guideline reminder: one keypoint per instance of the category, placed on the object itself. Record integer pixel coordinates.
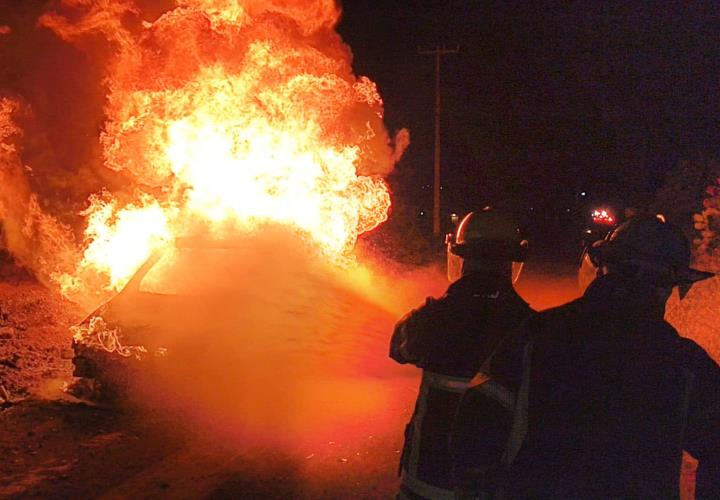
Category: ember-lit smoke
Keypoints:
(278, 346)
(219, 117)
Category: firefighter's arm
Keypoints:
(703, 426)
(410, 340)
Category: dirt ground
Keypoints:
(66, 450)
(54, 446)
(34, 337)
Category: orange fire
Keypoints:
(226, 115)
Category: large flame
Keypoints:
(226, 115)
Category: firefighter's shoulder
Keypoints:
(552, 320)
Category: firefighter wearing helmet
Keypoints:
(615, 394)
(449, 338)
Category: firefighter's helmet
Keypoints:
(488, 236)
(649, 247)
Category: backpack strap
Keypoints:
(483, 373)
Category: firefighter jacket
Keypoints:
(615, 396)
(449, 338)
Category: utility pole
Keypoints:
(438, 52)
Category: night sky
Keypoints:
(543, 101)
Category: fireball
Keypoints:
(225, 115)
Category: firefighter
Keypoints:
(615, 394)
(449, 338)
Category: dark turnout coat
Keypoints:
(449, 338)
(615, 396)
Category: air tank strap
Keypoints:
(445, 382)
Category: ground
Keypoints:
(56, 446)
(34, 322)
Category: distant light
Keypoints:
(567, 209)
(583, 193)
(532, 209)
(602, 216)
(422, 212)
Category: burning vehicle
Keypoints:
(203, 302)
(218, 119)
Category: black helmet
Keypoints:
(489, 235)
(648, 243)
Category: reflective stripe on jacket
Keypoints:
(449, 338)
